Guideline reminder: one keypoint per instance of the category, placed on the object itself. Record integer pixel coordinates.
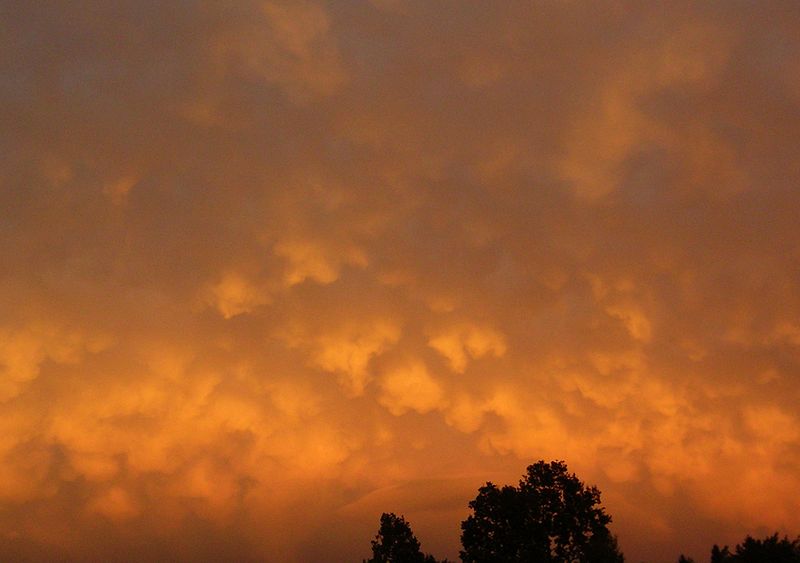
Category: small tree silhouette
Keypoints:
(396, 543)
(720, 555)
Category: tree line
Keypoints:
(550, 517)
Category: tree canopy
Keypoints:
(769, 550)
(396, 543)
(550, 517)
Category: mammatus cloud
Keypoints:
(270, 269)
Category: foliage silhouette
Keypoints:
(396, 543)
(551, 517)
(771, 549)
(719, 555)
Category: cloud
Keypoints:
(458, 343)
(234, 295)
(410, 388)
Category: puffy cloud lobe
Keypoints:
(268, 265)
(234, 294)
(24, 349)
(458, 343)
(410, 388)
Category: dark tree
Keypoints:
(395, 543)
(684, 559)
(719, 555)
(769, 550)
(551, 517)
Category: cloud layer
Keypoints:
(269, 269)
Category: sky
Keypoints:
(269, 269)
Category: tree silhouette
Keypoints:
(396, 543)
(719, 555)
(551, 517)
(769, 550)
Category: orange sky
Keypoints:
(268, 269)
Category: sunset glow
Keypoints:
(270, 269)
